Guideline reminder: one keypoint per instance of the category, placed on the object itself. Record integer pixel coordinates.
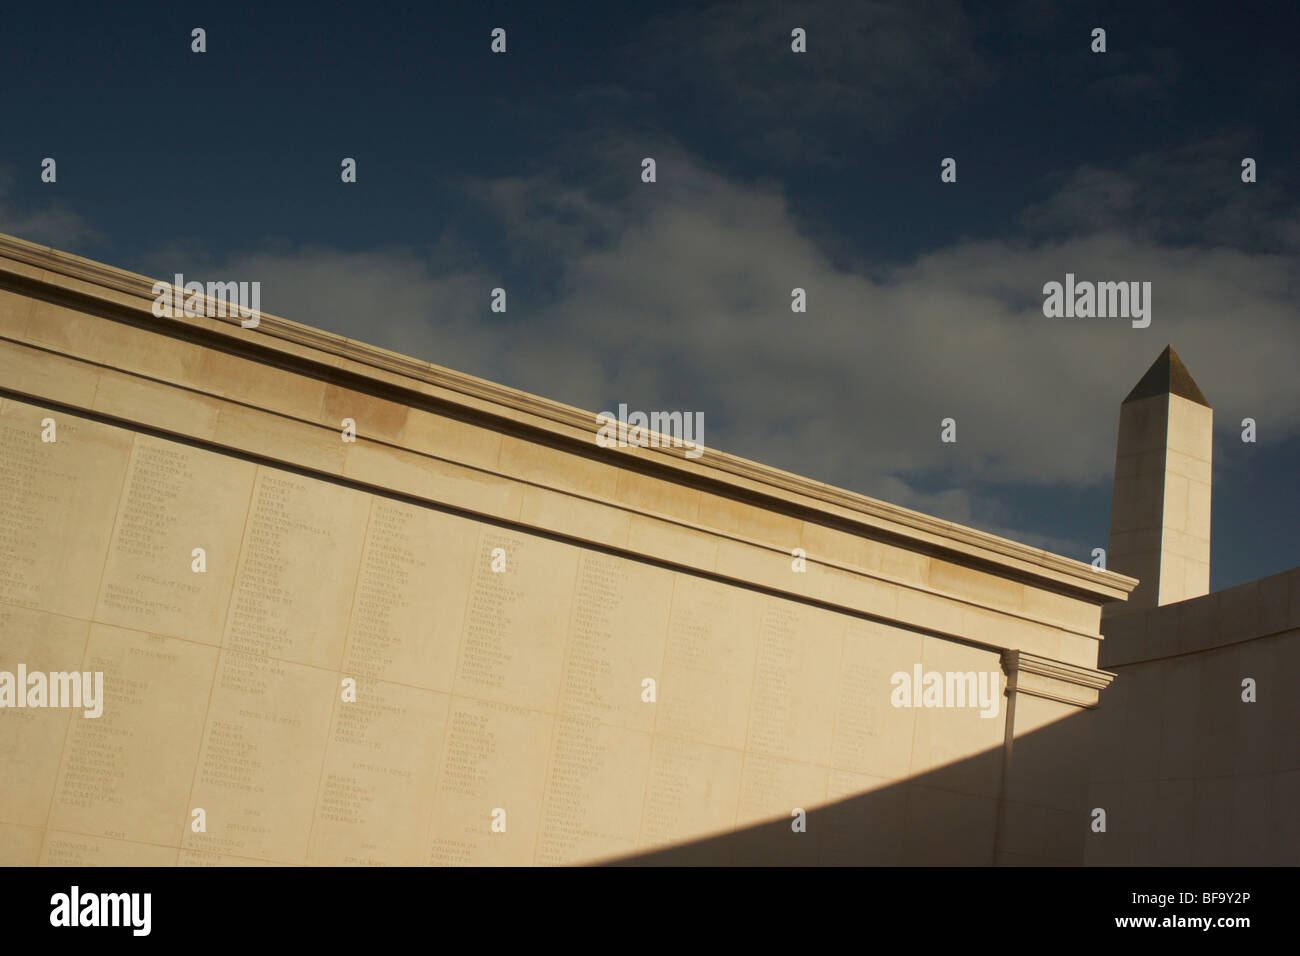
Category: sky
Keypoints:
(775, 170)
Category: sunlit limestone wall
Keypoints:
(558, 656)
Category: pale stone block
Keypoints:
(202, 858)
(616, 640)
(156, 405)
(1197, 577)
(1187, 546)
(693, 791)
(1175, 513)
(1047, 765)
(871, 736)
(1198, 509)
(145, 353)
(32, 739)
(978, 587)
(1030, 636)
(15, 310)
(256, 383)
(74, 849)
(748, 521)
(533, 462)
(53, 377)
(1195, 470)
(381, 761)
(654, 495)
(595, 787)
(946, 738)
(65, 330)
(792, 707)
(432, 479)
(1190, 427)
(1173, 578)
(375, 418)
(905, 567)
(280, 439)
(1061, 610)
(19, 845)
(451, 439)
(839, 547)
(127, 774)
(175, 498)
(494, 758)
(929, 611)
(260, 763)
(771, 789)
(668, 542)
(517, 622)
(58, 507)
(584, 520)
(1077, 649)
(862, 593)
(754, 565)
(1003, 630)
(708, 668)
(409, 604)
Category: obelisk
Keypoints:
(1160, 509)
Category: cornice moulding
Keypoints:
(70, 274)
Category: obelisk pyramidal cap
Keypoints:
(1160, 509)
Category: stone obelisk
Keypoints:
(1160, 510)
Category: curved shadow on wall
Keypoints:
(1186, 773)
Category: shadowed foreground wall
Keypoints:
(1189, 772)
(478, 690)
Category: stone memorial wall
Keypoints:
(469, 636)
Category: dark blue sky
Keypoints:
(775, 170)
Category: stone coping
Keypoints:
(115, 291)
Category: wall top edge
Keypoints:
(71, 273)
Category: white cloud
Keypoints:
(51, 223)
(678, 298)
